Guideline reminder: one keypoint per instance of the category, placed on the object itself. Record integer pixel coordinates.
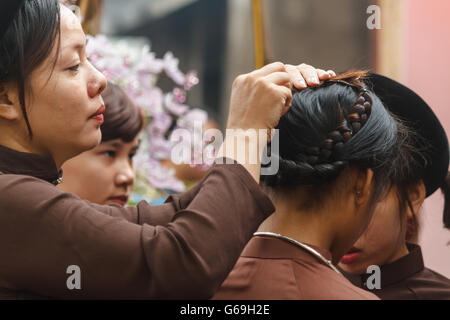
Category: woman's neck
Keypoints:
(26, 147)
(307, 227)
(399, 253)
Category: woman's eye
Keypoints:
(109, 154)
(131, 155)
(74, 68)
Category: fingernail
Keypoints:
(301, 83)
(314, 80)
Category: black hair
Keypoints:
(27, 42)
(415, 162)
(123, 120)
(332, 126)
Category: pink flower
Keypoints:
(173, 106)
(193, 117)
(163, 178)
(159, 125)
(159, 147)
(191, 80)
(151, 100)
(179, 95)
(171, 68)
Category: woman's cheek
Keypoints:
(73, 96)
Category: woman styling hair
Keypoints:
(51, 110)
(340, 149)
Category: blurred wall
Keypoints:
(427, 71)
(194, 31)
(328, 34)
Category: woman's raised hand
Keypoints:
(258, 100)
(261, 97)
(304, 75)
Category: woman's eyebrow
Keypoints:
(77, 45)
(112, 144)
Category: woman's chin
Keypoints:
(86, 145)
(93, 141)
(351, 268)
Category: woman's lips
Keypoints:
(119, 200)
(350, 256)
(98, 116)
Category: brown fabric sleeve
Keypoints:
(43, 231)
(153, 215)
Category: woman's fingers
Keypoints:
(309, 73)
(296, 77)
(312, 76)
(323, 75)
(280, 78)
(268, 69)
(286, 93)
(301, 76)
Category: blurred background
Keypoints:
(221, 39)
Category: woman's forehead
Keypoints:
(118, 143)
(72, 39)
(72, 34)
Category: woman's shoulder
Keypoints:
(23, 196)
(429, 284)
(18, 187)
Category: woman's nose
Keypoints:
(125, 177)
(97, 83)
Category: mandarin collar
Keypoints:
(38, 166)
(402, 268)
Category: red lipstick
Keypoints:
(98, 116)
(121, 200)
(350, 256)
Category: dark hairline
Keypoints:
(39, 52)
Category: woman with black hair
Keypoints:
(340, 149)
(51, 110)
(105, 174)
(389, 240)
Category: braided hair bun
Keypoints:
(328, 127)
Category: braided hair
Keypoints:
(332, 126)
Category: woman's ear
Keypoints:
(9, 106)
(416, 195)
(363, 186)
